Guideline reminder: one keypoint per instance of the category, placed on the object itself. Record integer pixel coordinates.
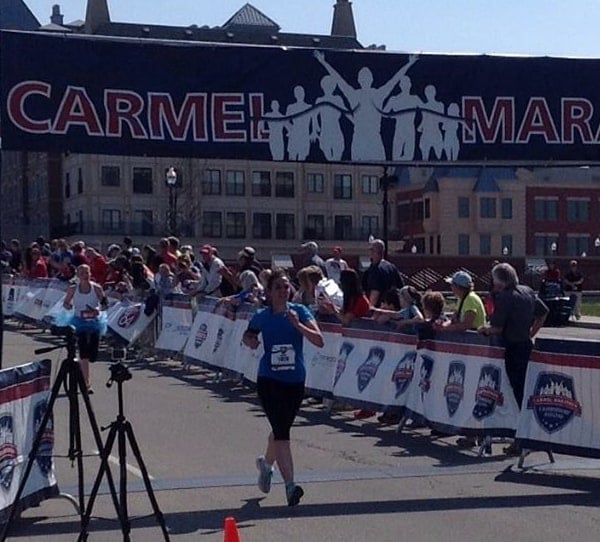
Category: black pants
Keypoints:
(88, 342)
(516, 357)
(281, 402)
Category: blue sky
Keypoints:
(531, 27)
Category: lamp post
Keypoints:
(505, 251)
(385, 182)
(413, 249)
(553, 248)
(597, 245)
(171, 182)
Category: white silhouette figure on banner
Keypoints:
(299, 127)
(276, 124)
(431, 133)
(366, 104)
(450, 125)
(327, 121)
(403, 146)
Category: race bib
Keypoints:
(283, 357)
(87, 314)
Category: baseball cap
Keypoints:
(460, 278)
(248, 252)
(206, 249)
(311, 245)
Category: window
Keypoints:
(142, 180)
(211, 185)
(111, 220)
(284, 184)
(342, 186)
(79, 181)
(261, 226)
(507, 211)
(342, 226)
(143, 222)
(315, 227)
(110, 176)
(485, 244)
(416, 210)
(261, 183)
(427, 208)
(235, 225)
(284, 226)
(487, 208)
(403, 211)
(234, 183)
(211, 224)
(67, 185)
(369, 226)
(463, 244)
(507, 245)
(315, 182)
(577, 245)
(578, 210)
(463, 207)
(546, 209)
(369, 184)
(543, 244)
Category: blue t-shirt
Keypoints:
(283, 359)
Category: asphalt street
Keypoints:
(199, 436)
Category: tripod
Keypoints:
(69, 376)
(121, 430)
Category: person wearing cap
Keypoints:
(336, 264)
(310, 252)
(518, 315)
(212, 270)
(573, 285)
(470, 314)
(246, 262)
(381, 275)
(165, 255)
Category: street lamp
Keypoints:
(171, 182)
(505, 251)
(597, 245)
(413, 249)
(553, 248)
(385, 182)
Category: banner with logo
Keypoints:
(127, 320)
(462, 387)
(367, 366)
(9, 293)
(176, 322)
(321, 362)
(238, 358)
(31, 301)
(561, 404)
(24, 394)
(208, 100)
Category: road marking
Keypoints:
(130, 468)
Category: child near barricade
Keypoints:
(409, 313)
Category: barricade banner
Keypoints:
(176, 318)
(31, 301)
(368, 362)
(462, 387)
(204, 334)
(561, 401)
(9, 292)
(55, 293)
(321, 362)
(239, 358)
(24, 393)
(127, 320)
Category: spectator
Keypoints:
(150, 257)
(518, 315)
(165, 255)
(98, 265)
(308, 277)
(381, 275)
(38, 268)
(78, 250)
(127, 249)
(409, 313)
(112, 252)
(310, 256)
(336, 264)
(355, 302)
(186, 276)
(5, 258)
(213, 269)
(552, 273)
(164, 280)
(433, 315)
(573, 284)
(470, 314)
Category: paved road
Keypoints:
(363, 482)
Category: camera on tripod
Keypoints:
(119, 373)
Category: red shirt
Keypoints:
(39, 269)
(360, 306)
(98, 269)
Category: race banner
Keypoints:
(321, 362)
(231, 101)
(462, 387)
(239, 358)
(176, 320)
(561, 406)
(31, 299)
(9, 294)
(206, 333)
(24, 393)
(127, 320)
(369, 362)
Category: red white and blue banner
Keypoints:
(127, 320)
(160, 98)
(176, 322)
(24, 394)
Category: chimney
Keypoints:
(96, 15)
(56, 17)
(343, 20)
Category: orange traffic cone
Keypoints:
(231, 533)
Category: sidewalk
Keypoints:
(590, 322)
